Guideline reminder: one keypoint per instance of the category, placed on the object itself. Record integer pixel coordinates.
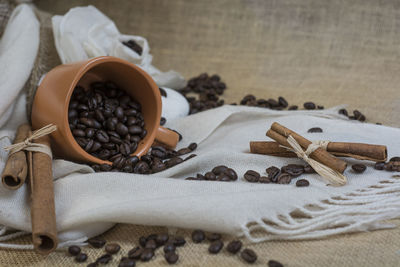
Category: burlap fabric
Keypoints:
(331, 52)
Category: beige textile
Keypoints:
(330, 52)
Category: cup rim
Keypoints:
(86, 67)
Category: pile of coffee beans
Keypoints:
(357, 115)
(208, 88)
(134, 46)
(393, 165)
(156, 160)
(148, 245)
(219, 173)
(105, 121)
(282, 175)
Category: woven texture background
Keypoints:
(330, 52)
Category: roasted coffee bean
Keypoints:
(309, 105)
(125, 149)
(248, 255)
(112, 248)
(302, 183)
(168, 247)
(264, 180)
(89, 145)
(214, 236)
(96, 167)
(184, 151)
(219, 169)
(171, 257)
(315, 130)
(89, 132)
(294, 170)
(135, 253)
(92, 264)
(147, 254)
(308, 169)
(151, 244)
(132, 160)
(72, 113)
(127, 168)
(282, 102)
(273, 263)
(141, 167)
(121, 129)
(210, 176)
(163, 92)
(161, 239)
(394, 159)
(131, 121)
(359, 168)
(142, 241)
(102, 136)
(343, 112)
(215, 246)
(134, 46)
(252, 176)
(192, 146)
(74, 250)
(172, 162)
(159, 152)
(105, 167)
(79, 133)
(231, 174)
(198, 236)
(223, 178)
(134, 129)
(73, 104)
(294, 107)
(284, 178)
(163, 121)
(179, 241)
(96, 146)
(273, 173)
(234, 246)
(97, 242)
(158, 166)
(81, 257)
(104, 154)
(126, 262)
(104, 259)
(379, 166)
(143, 134)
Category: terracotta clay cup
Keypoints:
(53, 95)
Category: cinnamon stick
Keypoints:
(44, 231)
(16, 168)
(279, 132)
(377, 153)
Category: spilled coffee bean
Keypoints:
(134, 46)
(252, 176)
(104, 259)
(112, 248)
(198, 236)
(359, 168)
(81, 257)
(248, 255)
(302, 183)
(315, 130)
(215, 246)
(171, 257)
(74, 250)
(273, 263)
(234, 246)
(126, 262)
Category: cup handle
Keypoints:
(167, 137)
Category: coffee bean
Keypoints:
(96, 146)
(147, 254)
(302, 183)
(151, 244)
(309, 105)
(184, 151)
(252, 176)
(97, 242)
(293, 107)
(294, 170)
(172, 162)
(192, 146)
(142, 241)
(231, 174)
(215, 246)
(163, 121)
(343, 112)
(219, 169)
(282, 102)
(134, 129)
(134, 46)
(198, 236)
(171, 257)
(394, 159)
(308, 169)
(168, 247)
(126, 262)
(102, 136)
(74, 250)
(72, 113)
(112, 248)
(248, 255)
(92, 264)
(162, 239)
(214, 236)
(81, 257)
(135, 253)
(125, 149)
(273, 263)
(223, 178)
(264, 180)
(104, 259)
(119, 113)
(234, 246)
(79, 133)
(179, 241)
(284, 178)
(163, 92)
(315, 130)
(141, 167)
(359, 168)
(273, 173)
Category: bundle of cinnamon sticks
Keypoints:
(325, 152)
(38, 167)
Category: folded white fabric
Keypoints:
(85, 32)
(18, 49)
(258, 211)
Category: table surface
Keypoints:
(328, 52)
